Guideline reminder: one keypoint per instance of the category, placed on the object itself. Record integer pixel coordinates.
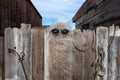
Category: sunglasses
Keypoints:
(63, 31)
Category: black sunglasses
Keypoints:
(56, 31)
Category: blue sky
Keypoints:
(55, 10)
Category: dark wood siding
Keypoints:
(32, 15)
(15, 12)
(98, 13)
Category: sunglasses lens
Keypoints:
(65, 31)
(55, 31)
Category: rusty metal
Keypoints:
(20, 58)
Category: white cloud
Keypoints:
(63, 19)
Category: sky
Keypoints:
(53, 11)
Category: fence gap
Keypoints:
(2, 58)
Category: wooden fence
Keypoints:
(85, 55)
(96, 53)
(27, 40)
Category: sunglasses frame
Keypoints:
(63, 31)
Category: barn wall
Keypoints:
(32, 15)
(98, 13)
(14, 12)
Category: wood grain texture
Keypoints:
(79, 56)
(118, 57)
(98, 13)
(114, 53)
(102, 49)
(14, 12)
(85, 42)
(46, 55)
(37, 54)
(62, 57)
(24, 42)
(18, 39)
(10, 59)
(1, 58)
(89, 54)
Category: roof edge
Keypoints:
(34, 8)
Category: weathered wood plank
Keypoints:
(46, 55)
(113, 56)
(1, 58)
(20, 40)
(102, 53)
(79, 56)
(10, 59)
(118, 55)
(24, 43)
(37, 54)
(85, 42)
(95, 58)
(89, 54)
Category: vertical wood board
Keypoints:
(10, 59)
(114, 52)
(46, 55)
(37, 54)
(89, 54)
(24, 42)
(102, 53)
(79, 55)
(20, 40)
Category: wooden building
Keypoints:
(45, 26)
(94, 13)
(15, 12)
